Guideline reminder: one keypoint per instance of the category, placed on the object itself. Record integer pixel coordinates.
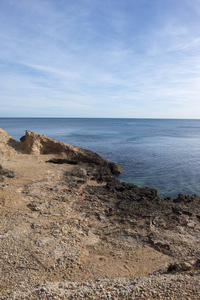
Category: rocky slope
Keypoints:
(70, 230)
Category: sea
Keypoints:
(160, 153)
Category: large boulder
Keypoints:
(34, 143)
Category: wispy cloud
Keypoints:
(88, 58)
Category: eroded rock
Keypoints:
(35, 143)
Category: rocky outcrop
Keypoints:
(34, 143)
(8, 145)
(65, 218)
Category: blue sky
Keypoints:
(100, 58)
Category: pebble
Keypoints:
(169, 286)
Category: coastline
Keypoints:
(66, 218)
(163, 154)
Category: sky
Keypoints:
(100, 58)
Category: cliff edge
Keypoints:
(69, 229)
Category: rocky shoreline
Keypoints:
(71, 230)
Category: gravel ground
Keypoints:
(64, 225)
(167, 286)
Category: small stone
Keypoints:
(191, 224)
(185, 266)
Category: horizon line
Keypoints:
(138, 118)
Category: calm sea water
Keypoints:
(159, 153)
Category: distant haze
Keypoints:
(96, 58)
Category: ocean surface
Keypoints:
(159, 153)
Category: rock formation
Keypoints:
(69, 229)
(34, 143)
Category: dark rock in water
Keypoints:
(167, 198)
(115, 169)
(180, 198)
(184, 198)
